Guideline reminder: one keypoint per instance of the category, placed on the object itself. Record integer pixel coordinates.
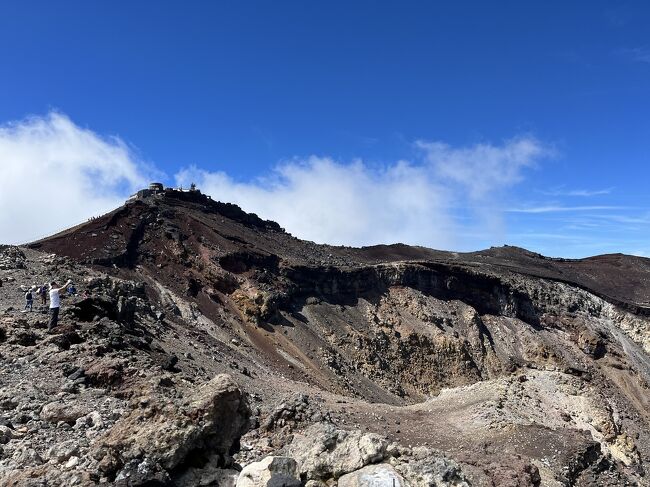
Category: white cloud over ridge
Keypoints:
(423, 203)
(55, 174)
(349, 204)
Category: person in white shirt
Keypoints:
(55, 302)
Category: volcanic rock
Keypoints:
(270, 472)
(497, 367)
(323, 451)
(165, 433)
(374, 475)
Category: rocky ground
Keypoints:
(215, 349)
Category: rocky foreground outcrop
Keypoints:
(208, 347)
(93, 401)
(322, 455)
(163, 435)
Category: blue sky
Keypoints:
(264, 101)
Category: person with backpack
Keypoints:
(55, 303)
(29, 300)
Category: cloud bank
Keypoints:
(348, 204)
(55, 174)
(434, 201)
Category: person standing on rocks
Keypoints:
(55, 303)
(42, 292)
(29, 299)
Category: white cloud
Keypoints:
(349, 204)
(55, 174)
(483, 169)
(559, 209)
(577, 192)
(355, 204)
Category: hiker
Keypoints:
(55, 303)
(29, 300)
(72, 290)
(42, 292)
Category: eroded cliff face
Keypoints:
(503, 367)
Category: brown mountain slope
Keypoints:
(512, 364)
(137, 234)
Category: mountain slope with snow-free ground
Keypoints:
(499, 367)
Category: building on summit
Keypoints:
(156, 189)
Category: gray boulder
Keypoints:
(61, 452)
(61, 411)
(270, 472)
(424, 467)
(5, 434)
(380, 475)
(323, 451)
(164, 433)
(209, 475)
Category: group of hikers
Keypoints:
(54, 291)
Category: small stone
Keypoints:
(5, 435)
(61, 452)
(59, 411)
(26, 456)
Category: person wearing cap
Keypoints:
(55, 303)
